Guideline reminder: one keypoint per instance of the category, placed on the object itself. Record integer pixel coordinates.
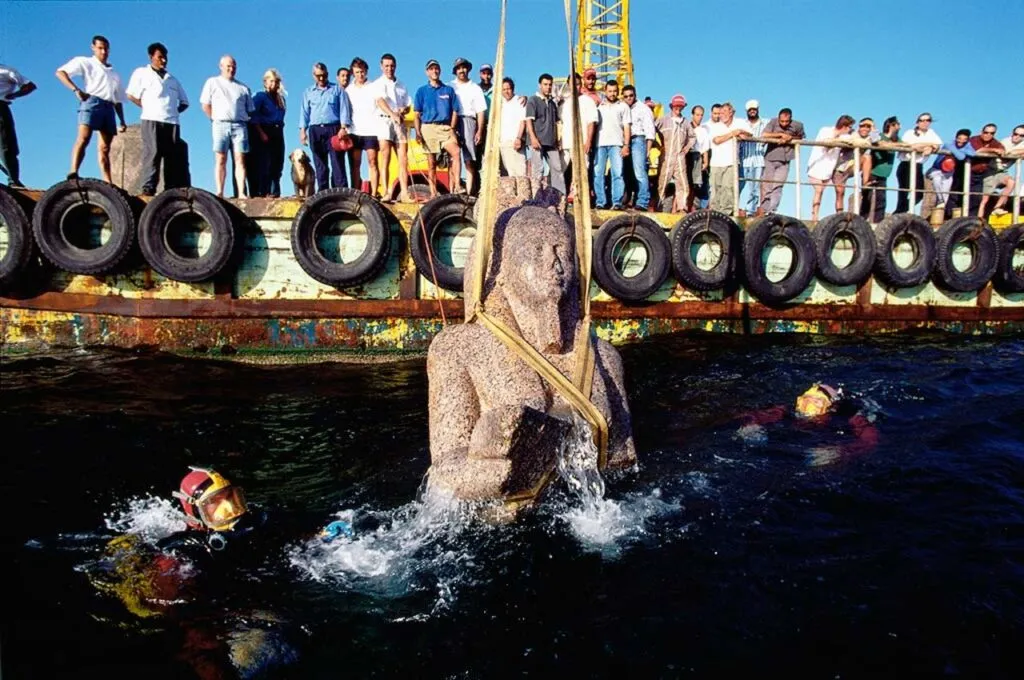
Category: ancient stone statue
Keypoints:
(495, 424)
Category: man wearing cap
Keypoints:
(99, 101)
(752, 161)
(227, 102)
(161, 98)
(12, 86)
(326, 112)
(677, 140)
(542, 130)
(393, 102)
(487, 87)
(643, 133)
(435, 115)
(470, 127)
(725, 134)
(590, 86)
(925, 142)
(779, 153)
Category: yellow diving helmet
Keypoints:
(210, 501)
(818, 400)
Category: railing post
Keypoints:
(856, 180)
(1016, 199)
(913, 181)
(736, 178)
(965, 201)
(796, 159)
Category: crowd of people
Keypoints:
(698, 161)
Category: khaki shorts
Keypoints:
(436, 136)
(390, 131)
(992, 183)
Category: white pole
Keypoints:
(856, 180)
(1016, 199)
(736, 178)
(796, 159)
(965, 204)
(913, 180)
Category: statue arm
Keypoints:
(454, 405)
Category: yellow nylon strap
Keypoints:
(489, 177)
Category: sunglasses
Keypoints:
(924, 120)
(988, 132)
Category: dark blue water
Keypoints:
(734, 549)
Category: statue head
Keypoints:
(538, 257)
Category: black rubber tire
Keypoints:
(1008, 279)
(319, 208)
(716, 224)
(855, 228)
(887, 233)
(648, 281)
(428, 220)
(801, 270)
(156, 218)
(985, 258)
(19, 239)
(49, 214)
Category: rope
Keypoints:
(430, 259)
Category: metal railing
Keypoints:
(1016, 196)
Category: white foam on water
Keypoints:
(149, 517)
(599, 523)
(751, 434)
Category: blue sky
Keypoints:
(820, 58)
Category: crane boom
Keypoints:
(604, 40)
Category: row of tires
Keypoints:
(740, 260)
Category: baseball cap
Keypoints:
(589, 72)
(677, 100)
(432, 62)
(462, 62)
(485, 67)
(752, 104)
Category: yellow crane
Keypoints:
(603, 40)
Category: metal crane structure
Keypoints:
(603, 40)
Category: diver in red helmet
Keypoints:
(823, 407)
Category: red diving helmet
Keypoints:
(210, 501)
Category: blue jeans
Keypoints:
(638, 152)
(750, 180)
(613, 155)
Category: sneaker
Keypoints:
(16, 185)
(999, 212)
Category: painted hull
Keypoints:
(265, 305)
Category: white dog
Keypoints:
(302, 174)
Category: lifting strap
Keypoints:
(578, 390)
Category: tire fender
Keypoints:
(429, 220)
(55, 205)
(315, 214)
(20, 248)
(801, 270)
(716, 226)
(856, 229)
(154, 243)
(606, 271)
(984, 255)
(1008, 279)
(888, 232)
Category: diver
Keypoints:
(821, 408)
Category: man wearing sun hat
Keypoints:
(751, 161)
(677, 139)
(470, 128)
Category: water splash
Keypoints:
(149, 517)
(601, 523)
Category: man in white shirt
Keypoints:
(393, 102)
(698, 161)
(613, 139)
(472, 107)
(363, 95)
(752, 161)
(161, 98)
(228, 102)
(12, 86)
(925, 142)
(1003, 178)
(589, 120)
(724, 135)
(99, 100)
(513, 131)
(642, 131)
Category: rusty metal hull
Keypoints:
(266, 305)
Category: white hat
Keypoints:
(752, 104)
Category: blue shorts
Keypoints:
(97, 114)
(364, 142)
(228, 135)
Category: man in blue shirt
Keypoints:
(435, 110)
(326, 113)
